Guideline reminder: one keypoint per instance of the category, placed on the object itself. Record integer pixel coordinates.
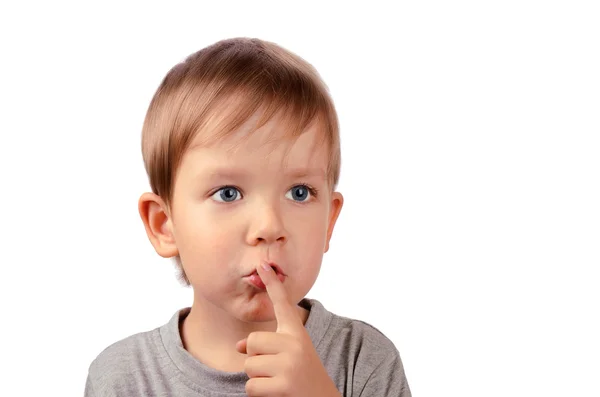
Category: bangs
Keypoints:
(246, 112)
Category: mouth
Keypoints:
(255, 280)
(278, 271)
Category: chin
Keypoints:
(257, 310)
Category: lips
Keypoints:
(274, 266)
(255, 280)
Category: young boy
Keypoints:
(241, 146)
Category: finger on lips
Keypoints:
(288, 320)
(285, 313)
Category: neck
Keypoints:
(210, 335)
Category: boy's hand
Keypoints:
(283, 363)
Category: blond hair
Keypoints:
(229, 82)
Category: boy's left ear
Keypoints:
(337, 202)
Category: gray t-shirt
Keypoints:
(360, 360)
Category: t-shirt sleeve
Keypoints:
(89, 390)
(388, 379)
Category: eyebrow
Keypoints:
(241, 174)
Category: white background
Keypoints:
(471, 170)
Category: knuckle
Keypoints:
(248, 367)
(296, 348)
(285, 387)
(288, 367)
(251, 340)
(251, 343)
(251, 389)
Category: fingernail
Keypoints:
(266, 267)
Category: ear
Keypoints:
(335, 207)
(158, 224)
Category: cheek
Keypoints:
(205, 244)
(311, 237)
(312, 230)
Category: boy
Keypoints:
(241, 146)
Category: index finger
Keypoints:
(285, 313)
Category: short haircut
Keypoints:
(223, 86)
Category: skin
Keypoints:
(283, 363)
(271, 219)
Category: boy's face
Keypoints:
(237, 206)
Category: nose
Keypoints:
(267, 226)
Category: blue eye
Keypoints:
(227, 194)
(299, 193)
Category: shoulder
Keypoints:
(127, 350)
(360, 357)
(329, 329)
(361, 338)
(118, 364)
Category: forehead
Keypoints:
(269, 145)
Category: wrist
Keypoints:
(331, 390)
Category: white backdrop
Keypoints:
(471, 170)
